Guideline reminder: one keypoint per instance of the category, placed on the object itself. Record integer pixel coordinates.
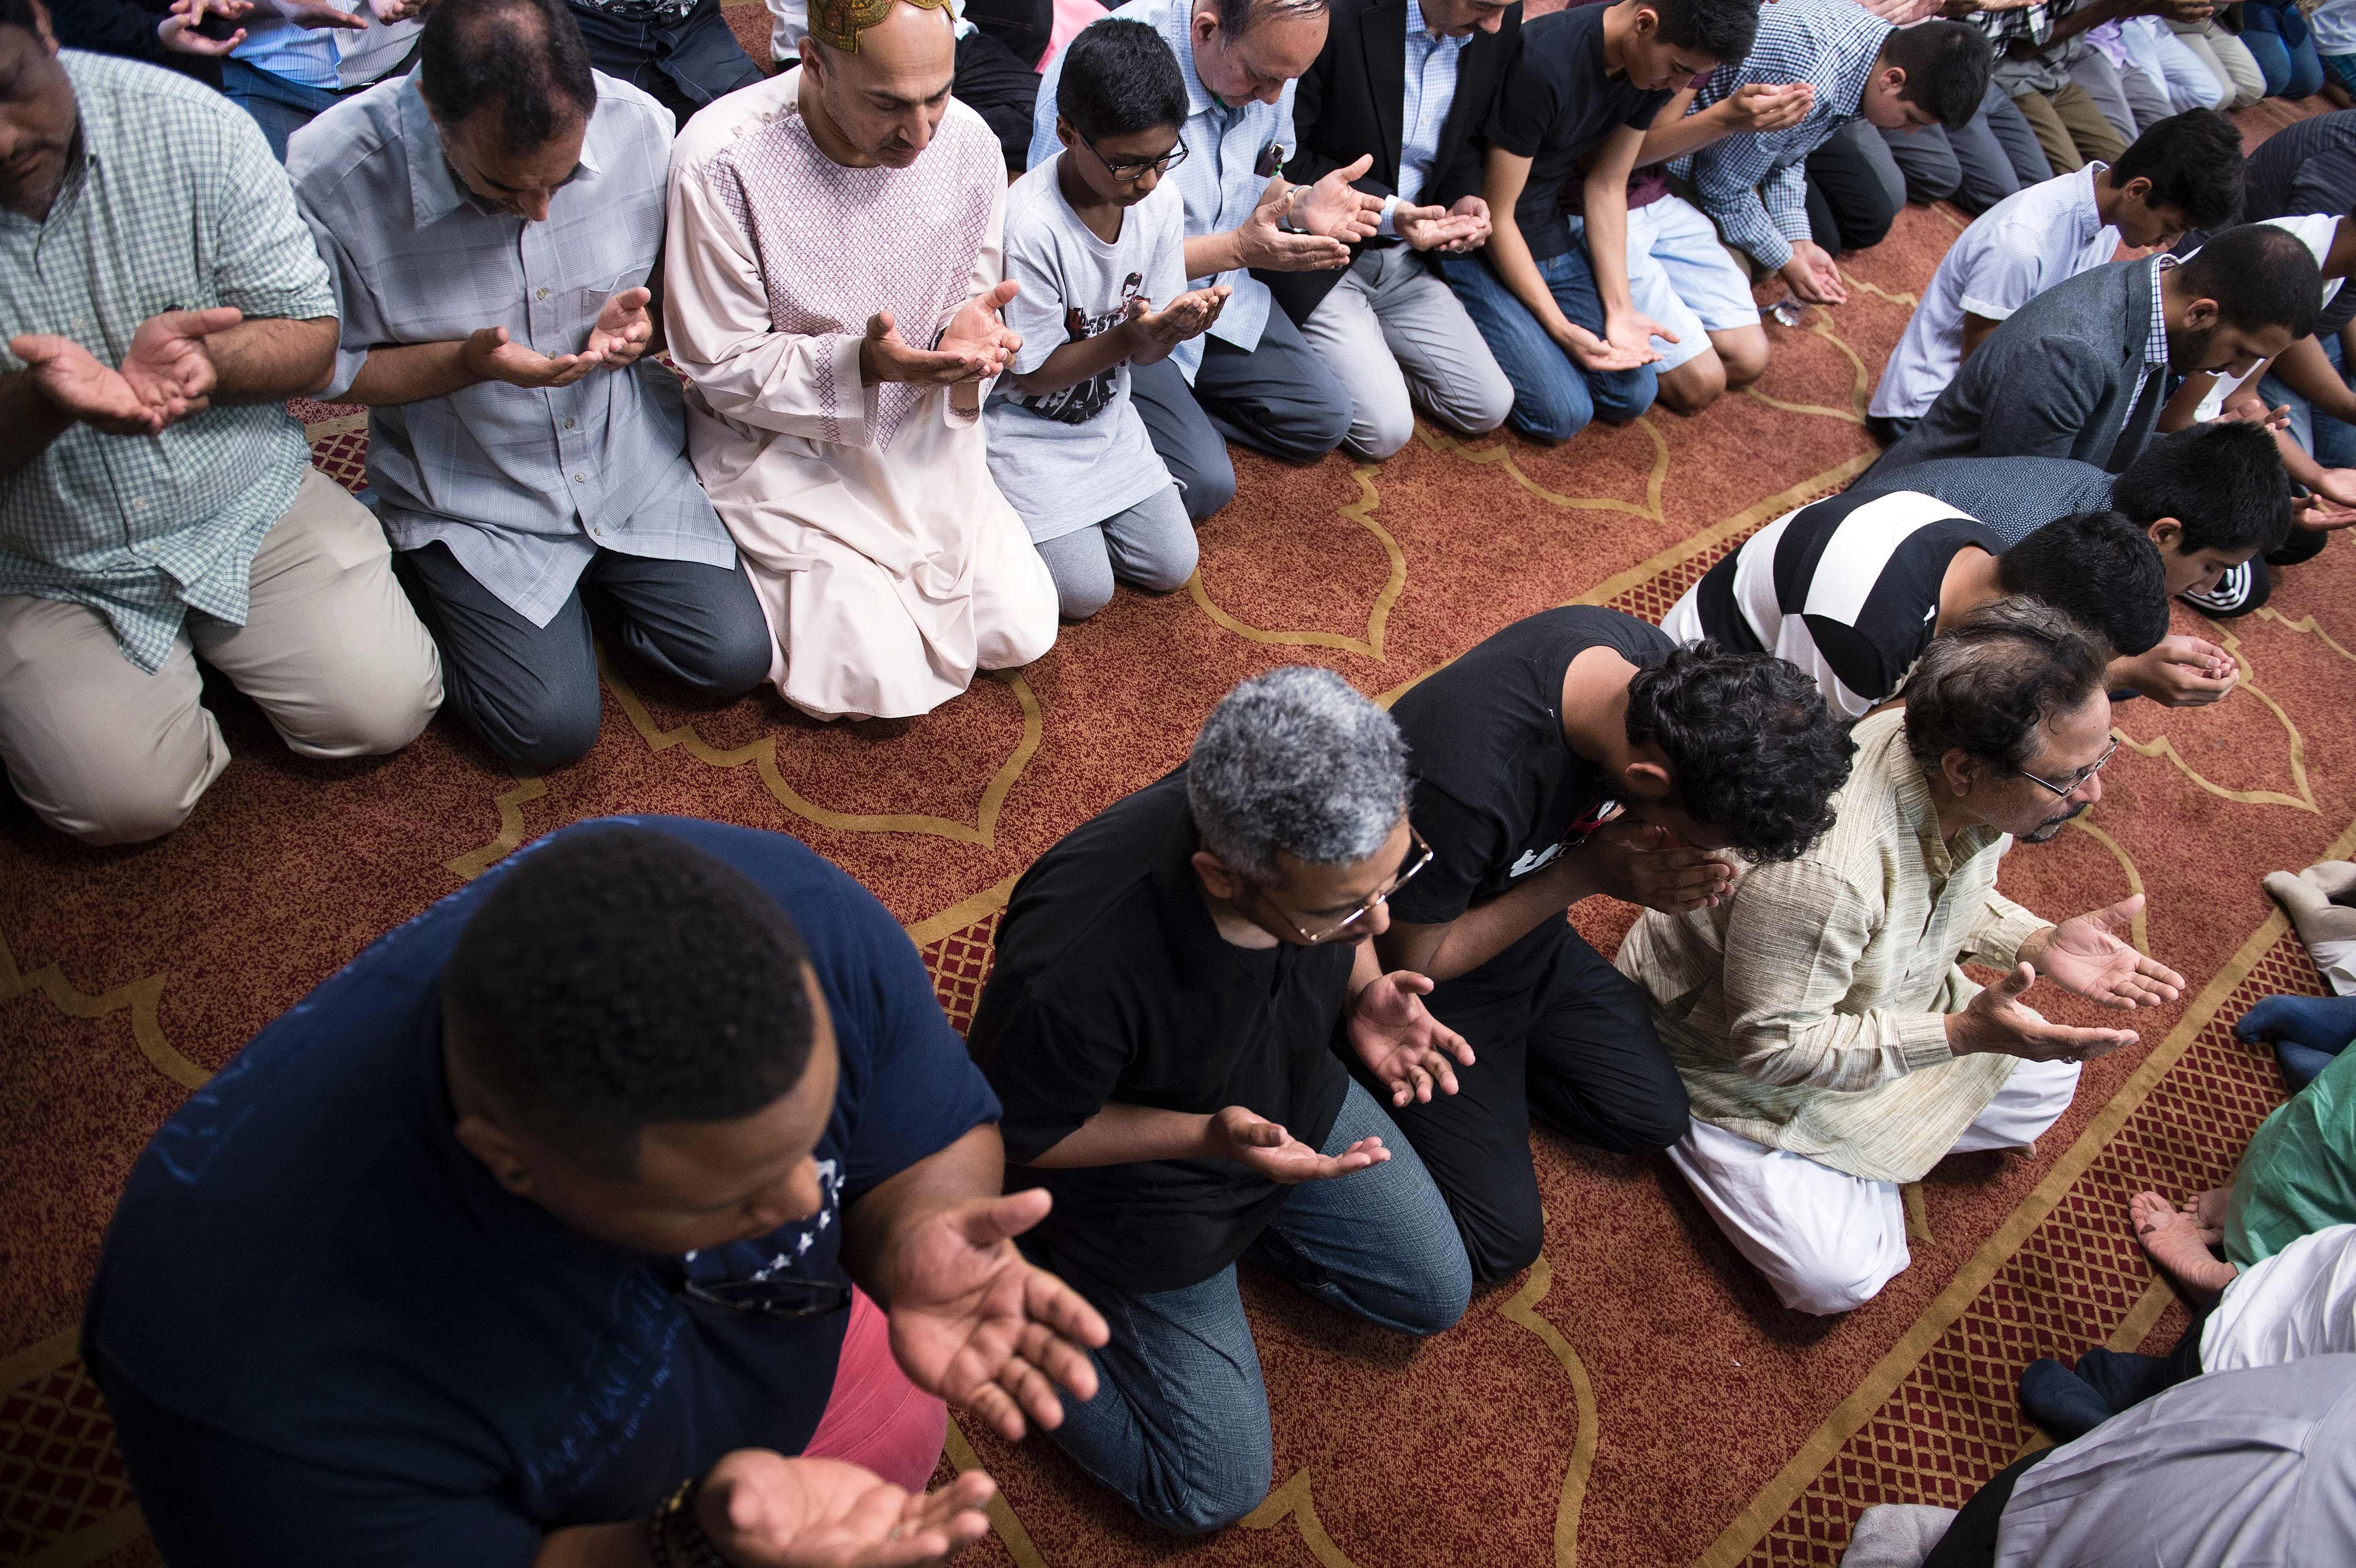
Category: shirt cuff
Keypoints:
(1769, 249)
(1998, 943)
(1385, 229)
(1922, 1041)
(851, 412)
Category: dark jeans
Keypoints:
(2291, 70)
(1854, 190)
(1557, 1033)
(532, 691)
(1278, 399)
(282, 107)
(1554, 397)
(685, 64)
(1178, 1427)
(1994, 157)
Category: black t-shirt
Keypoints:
(1847, 590)
(1113, 983)
(1556, 107)
(1499, 793)
(2303, 168)
(328, 1336)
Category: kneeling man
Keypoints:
(529, 1237)
(834, 284)
(1170, 979)
(1830, 1043)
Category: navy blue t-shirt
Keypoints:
(328, 1336)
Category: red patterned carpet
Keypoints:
(1636, 1398)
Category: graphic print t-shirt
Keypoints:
(1498, 791)
(1077, 455)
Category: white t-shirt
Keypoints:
(2011, 253)
(1070, 458)
(2333, 23)
(2300, 1302)
(2318, 230)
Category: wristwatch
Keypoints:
(1284, 221)
(675, 1535)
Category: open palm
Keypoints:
(765, 1510)
(2086, 955)
(975, 1323)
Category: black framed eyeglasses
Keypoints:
(2077, 780)
(1126, 173)
(1418, 856)
(782, 1298)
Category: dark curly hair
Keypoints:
(1755, 752)
(620, 976)
(1987, 684)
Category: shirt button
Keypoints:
(539, 294)
(568, 424)
(580, 479)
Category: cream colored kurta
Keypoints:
(888, 565)
(1808, 1011)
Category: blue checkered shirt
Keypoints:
(2154, 347)
(1431, 63)
(172, 200)
(1230, 153)
(523, 485)
(1754, 186)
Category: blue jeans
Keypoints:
(279, 106)
(1554, 398)
(1179, 1426)
(2291, 70)
(2330, 441)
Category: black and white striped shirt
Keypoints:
(1847, 590)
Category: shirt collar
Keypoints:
(1916, 807)
(1200, 100)
(2155, 348)
(434, 191)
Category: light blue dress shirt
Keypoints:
(524, 485)
(1230, 153)
(1431, 92)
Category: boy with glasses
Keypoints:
(1098, 249)
(1172, 982)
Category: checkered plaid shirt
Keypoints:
(1753, 186)
(172, 201)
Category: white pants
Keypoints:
(1827, 1241)
(1395, 335)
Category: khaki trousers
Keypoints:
(2227, 56)
(2070, 126)
(330, 650)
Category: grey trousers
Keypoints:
(1150, 545)
(531, 692)
(1278, 397)
(2093, 72)
(1994, 157)
(1397, 336)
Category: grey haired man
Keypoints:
(1172, 980)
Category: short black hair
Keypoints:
(1722, 30)
(1987, 683)
(2194, 162)
(2260, 276)
(1237, 16)
(617, 977)
(20, 13)
(1120, 78)
(1946, 66)
(2223, 480)
(526, 56)
(2100, 570)
(1754, 751)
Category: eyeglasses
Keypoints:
(2077, 780)
(785, 1298)
(1126, 173)
(1418, 856)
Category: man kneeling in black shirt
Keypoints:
(1171, 980)
(1579, 752)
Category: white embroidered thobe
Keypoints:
(888, 565)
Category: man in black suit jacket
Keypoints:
(1388, 327)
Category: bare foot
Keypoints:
(2207, 1213)
(2173, 1240)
